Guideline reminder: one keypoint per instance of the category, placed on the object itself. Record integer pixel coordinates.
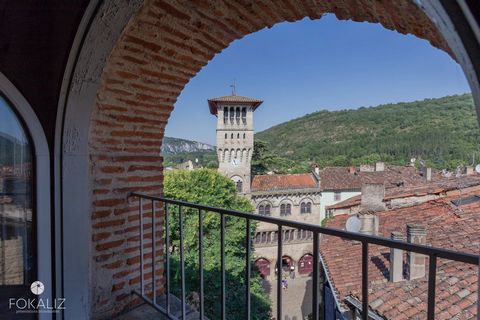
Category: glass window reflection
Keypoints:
(16, 210)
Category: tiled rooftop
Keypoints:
(234, 99)
(438, 186)
(340, 178)
(283, 182)
(448, 227)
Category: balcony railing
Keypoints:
(365, 240)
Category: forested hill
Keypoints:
(442, 131)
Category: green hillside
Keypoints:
(444, 132)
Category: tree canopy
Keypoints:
(205, 186)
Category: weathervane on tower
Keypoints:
(234, 88)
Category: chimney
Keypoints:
(352, 170)
(470, 170)
(380, 166)
(316, 170)
(368, 223)
(367, 168)
(396, 259)
(416, 233)
(372, 197)
(427, 174)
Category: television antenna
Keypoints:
(477, 168)
(353, 224)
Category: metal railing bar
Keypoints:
(154, 285)
(182, 262)
(142, 284)
(222, 265)
(279, 272)
(432, 278)
(167, 257)
(365, 307)
(316, 253)
(248, 244)
(468, 258)
(155, 306)
(200, 262)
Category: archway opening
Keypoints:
(126, 90)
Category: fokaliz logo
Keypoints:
(37, 305)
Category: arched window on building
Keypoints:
(306, 207)
(226, 136)
(225, 114)
(238, 135)
(244, 136)
(231, 136)
(285, 209)
(267, 210)
(17, 212)
(244, 115)
(239, 186)
(261, 209)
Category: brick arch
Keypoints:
(164, 45)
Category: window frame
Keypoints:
(41, 190)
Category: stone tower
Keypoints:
(235, 137)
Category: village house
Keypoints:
(404, 197)
(341, 183)
(399, 280)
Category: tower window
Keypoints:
(239, 186)
(244, 136)
(238, 135)
(244, 115)
(226, 136)
(232, 113)
(225, 114)
(237, 115)
(231, 136)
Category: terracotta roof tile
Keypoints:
(340, 178)
(234, 99)
(283, 182)
(441, 185)
(448, 227)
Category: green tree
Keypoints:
(205, 186)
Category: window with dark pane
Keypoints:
(17, 245)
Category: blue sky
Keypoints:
(307, 66)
